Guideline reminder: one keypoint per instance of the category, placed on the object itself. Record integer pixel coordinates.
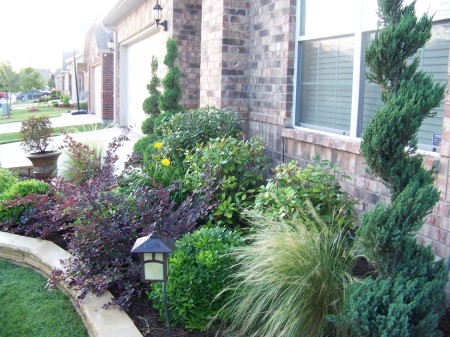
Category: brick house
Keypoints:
(99, 72)
(294, 70)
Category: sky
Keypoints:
(35, 33)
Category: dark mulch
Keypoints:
(148, 322)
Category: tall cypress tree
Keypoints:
(406, 298)
(151, 103)
(172, 87)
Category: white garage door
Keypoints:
(138, 72)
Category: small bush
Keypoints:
(83, 105)
(82, 161)
(145, 145)
(65, 101)
(10, 212)
(238, 167)
(148, 125)
(288, 280)
(7, 178)
(199, 267)
(184, 131)
(286, 194)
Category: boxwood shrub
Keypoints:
(199, 267)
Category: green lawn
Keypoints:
(28, 309)
(18, 115)
(15, 136)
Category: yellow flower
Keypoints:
(157, 145)
(165, 162)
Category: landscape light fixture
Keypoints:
(157, 15)
(154, 253)
(111, 44)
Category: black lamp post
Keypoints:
(78, 111)
(157, 15)
(154, 253)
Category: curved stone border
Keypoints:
(45, 256)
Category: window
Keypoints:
(331, 92)
(433, 60)
(326, 83)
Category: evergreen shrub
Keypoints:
(7, 178)
(238, 167)
(407, 297)
(199, 267)
(185, 130)
(292, 187)
(172, 94)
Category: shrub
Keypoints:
(148, 125)
(65, 101)
(199, 266)
(408, 295)
(36, 133)
(82, 161)
(151, 103)
(7, 178)
(292, 186)
(184, 131)
(237, 166)
(172, 94)
(83, 105)
(145, 145)
(9, 211)
(290, 277)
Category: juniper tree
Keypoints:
(406, 298)
(151, 103)
(172, 87)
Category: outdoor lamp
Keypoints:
(154, 253)
(157, 15)
(111, 44)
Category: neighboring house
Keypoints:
(294, 70)
(100, 72)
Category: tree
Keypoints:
(8, 81)
(51, 82)
(406, 298)
(172, 94)
(151, 103)
(30, 78)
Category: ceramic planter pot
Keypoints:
(44, 165)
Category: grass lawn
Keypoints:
(15, 136)
(28, 309)
(18, 115)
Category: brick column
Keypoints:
(225, 54)
(108, 88)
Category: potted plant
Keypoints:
(36, 132)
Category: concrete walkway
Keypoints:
(12, 155)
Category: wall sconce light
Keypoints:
(111, 44)
(157, 14)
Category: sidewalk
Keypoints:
(13, 156)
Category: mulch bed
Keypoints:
(147, 319)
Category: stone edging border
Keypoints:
(45, 256)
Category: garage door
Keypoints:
(138, 72)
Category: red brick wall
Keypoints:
(225, 54)
(108, 87)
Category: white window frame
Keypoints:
(358, 72)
